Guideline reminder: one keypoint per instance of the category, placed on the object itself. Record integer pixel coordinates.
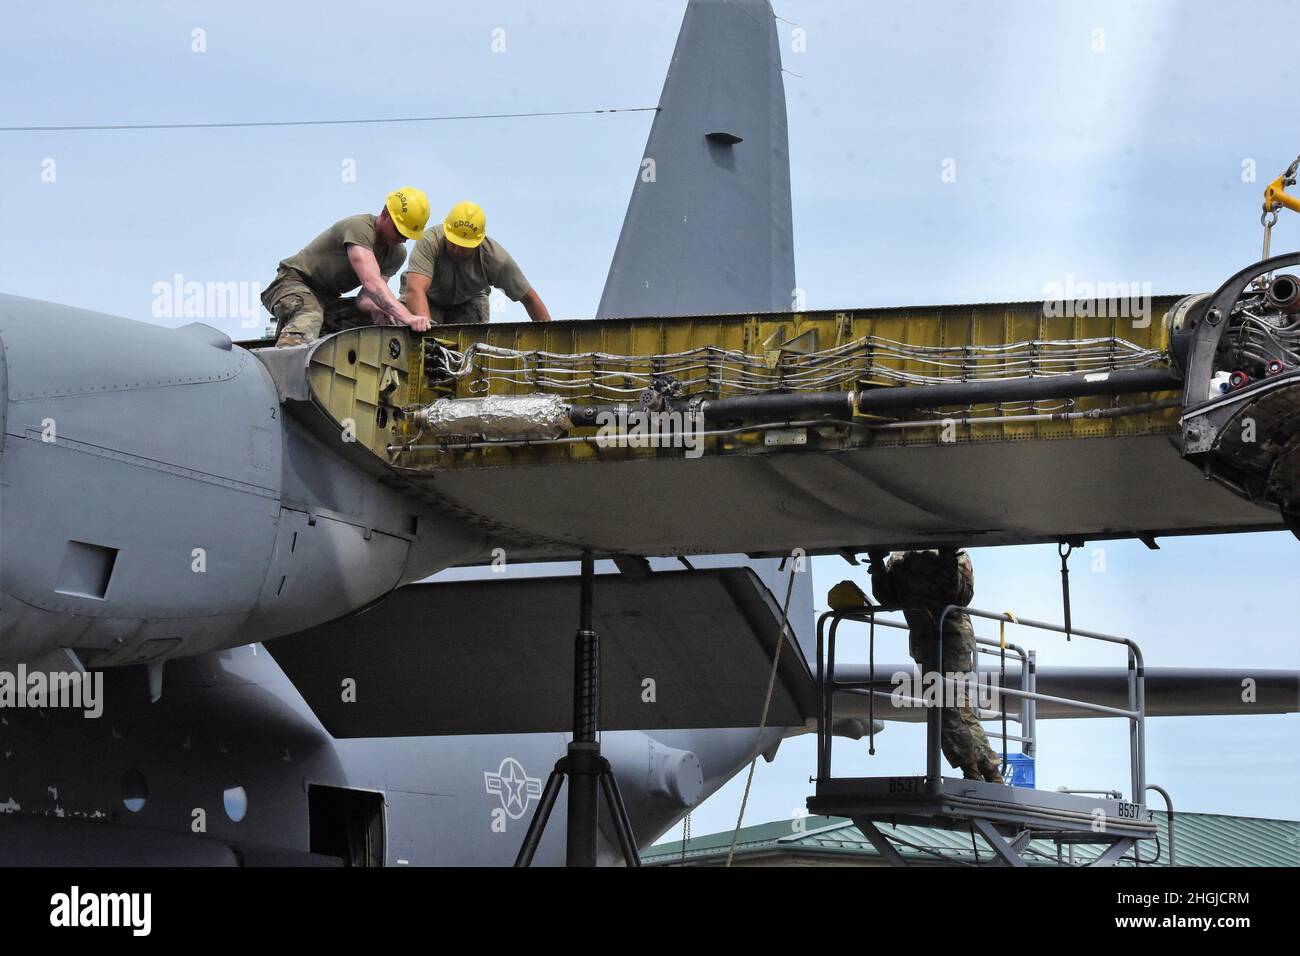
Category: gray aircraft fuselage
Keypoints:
(231, 724)
(157, 502)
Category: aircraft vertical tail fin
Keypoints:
(709, 228)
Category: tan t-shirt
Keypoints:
(453, 281)
(324, 261)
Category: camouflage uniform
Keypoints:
(472, 311)
(927, 582)
(306, 297)
(301, 310)
(458, 288)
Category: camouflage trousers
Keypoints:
(301, 310)
(964, 742)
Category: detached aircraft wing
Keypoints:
(864, 443)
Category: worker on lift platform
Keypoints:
(924, 583)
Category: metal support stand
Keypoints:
(1113, 853)
(878, 840)
(586, 770)
(1008, 851)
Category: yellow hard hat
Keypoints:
(409, 209)
(846, 596)
(465, 225)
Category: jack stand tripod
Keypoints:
(583, 764)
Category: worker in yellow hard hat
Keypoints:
(455, 265)
(307, 295)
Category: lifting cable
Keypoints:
(1064, 549)
(767, 702)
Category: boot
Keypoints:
(993, 775)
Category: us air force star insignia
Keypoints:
(513, 785)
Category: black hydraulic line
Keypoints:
(590, 414)
(810, 405)
(741, 408)
(745, 408)
(1019, 389)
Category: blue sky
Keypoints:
(1107, 141)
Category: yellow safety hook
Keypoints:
(1275, 194)
(1002, 628)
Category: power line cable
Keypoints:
(339, 122)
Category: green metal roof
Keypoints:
(1203, 839)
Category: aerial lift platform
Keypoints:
(1007, 817)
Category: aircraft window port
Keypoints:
(348, 824)
(352, 356)
(135, 792)
(1007, 817)
(86, 570)
(235, 801)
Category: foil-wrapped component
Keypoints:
(496, 417)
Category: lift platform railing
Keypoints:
(1028, 716)
(872, 686)
(1028, 672)
(828, 686)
